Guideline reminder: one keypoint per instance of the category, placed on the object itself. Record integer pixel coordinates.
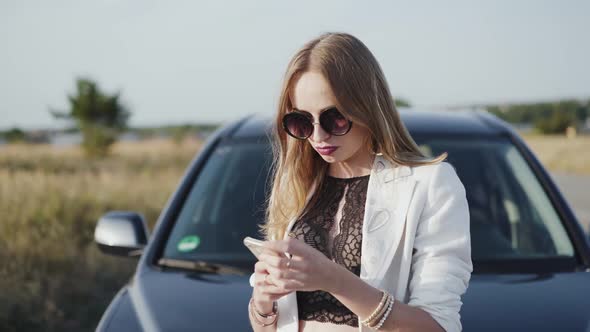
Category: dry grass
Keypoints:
(50, 200)
(562, 154)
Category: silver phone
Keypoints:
(254, 245)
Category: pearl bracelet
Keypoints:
(389, 307)
(377, 310)
(378, 317)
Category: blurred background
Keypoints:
(104, 103)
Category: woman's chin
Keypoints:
(329, 158)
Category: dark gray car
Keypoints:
(531, 257)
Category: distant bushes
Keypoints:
(547, 118)
(52, 276)
(14, 135)
(100, 117)
(556, 123)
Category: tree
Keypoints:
(401, 102)
(99, 117)
(556, 123)
(15, 135)
(547, 117)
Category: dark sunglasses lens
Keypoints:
(297, 125)
(334, 122)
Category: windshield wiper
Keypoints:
(201, 266)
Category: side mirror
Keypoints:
(121, 233)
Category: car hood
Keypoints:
(183, 301)
(189, 301)
(527, 302)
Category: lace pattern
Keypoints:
(333, 225)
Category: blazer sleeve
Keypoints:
(441, 265)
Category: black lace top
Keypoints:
(333, 225)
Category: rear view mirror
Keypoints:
(121, 233)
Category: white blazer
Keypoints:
(415, 241)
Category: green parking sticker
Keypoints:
(188, 243)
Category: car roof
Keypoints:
(417, 121)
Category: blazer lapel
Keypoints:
(389, 194)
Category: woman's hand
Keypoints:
(265, 292)
(307, 270)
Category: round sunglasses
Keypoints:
(299, 124)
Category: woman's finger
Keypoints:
(280, 262)
(270, 252)
(279, 274)
(268, 285)
(282, 285)
(260, 267)
(270, 292)
(291, 246)
(260, 279)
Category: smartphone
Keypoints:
(254, 245)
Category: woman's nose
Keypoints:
(318, 134)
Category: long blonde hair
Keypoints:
(362, 95)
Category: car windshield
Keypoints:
(511, 215)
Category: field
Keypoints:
(52, 277)
(560, 154)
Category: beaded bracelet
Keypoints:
(381, 312)
(389, 307)
(377, 310)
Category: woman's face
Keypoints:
(312, 93)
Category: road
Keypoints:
(576, 189)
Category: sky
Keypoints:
(180, 62)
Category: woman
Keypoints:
(363, 231)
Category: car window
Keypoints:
(511, 215)
(225, 204)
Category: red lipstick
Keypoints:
(328, 150)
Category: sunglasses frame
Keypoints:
(307, 115)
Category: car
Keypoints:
(530, 255)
